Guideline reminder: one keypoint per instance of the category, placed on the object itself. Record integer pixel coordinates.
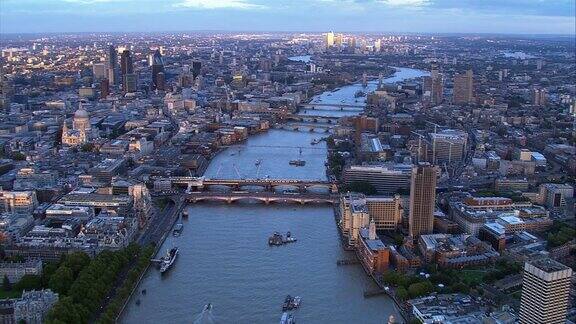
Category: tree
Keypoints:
(460, 287)
(391, 278)
(361, 187)
(401, 293)
(47, 272)
(76, 262)
(420, 289)
(18, 156)
(87, 147)
(29, 282)
(61, 280)
(6, 284)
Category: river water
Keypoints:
(225, 259)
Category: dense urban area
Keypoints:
(448, 163)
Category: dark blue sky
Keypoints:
(430, 16)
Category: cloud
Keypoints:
(219, 4)
(405, 3)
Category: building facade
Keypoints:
(422, 200)
(545, 291)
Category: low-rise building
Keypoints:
(455, 251)
(14, 271)
(372, 252)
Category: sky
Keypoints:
(409, 16)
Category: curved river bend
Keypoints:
(225, 259)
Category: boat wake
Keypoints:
(206, 317)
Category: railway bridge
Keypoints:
(270, 185)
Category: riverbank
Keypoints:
(225, 259)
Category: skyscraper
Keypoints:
(157, 67)
(329, 39)
(545, 290)
(104, 88)
(126, 66)
(422, 199)
(464, 88)
(196, 67)
(112, 65)
(129, 82)
(433, 87)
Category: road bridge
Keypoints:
(265, 197)
(313, 118)
(335, 106)
(304, 127)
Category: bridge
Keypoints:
(201, 183)
(335, 106)
(313, 118)
(265, 197)
(309, 127)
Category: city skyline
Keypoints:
(391, 16)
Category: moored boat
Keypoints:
(167, 261)
(178, 229)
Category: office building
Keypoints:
(433, 87)
(18, 202)
(448, 146)
(160, 81)
(126, 65)
(329, 39)
(112, 65)
(99, 71)
(157, 64)
(104, 88)
(554, 195)
(129, 83)
(354, 216)
(464, 88)
(545, 291)
(386, 212)
(386, 178)
(422, 200)
(338, 40)
(196, 68)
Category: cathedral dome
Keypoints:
(81, 113)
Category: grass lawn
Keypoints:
(472, 276)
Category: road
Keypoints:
(161, 222)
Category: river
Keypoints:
(225, 259)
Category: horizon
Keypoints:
(510, 17)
